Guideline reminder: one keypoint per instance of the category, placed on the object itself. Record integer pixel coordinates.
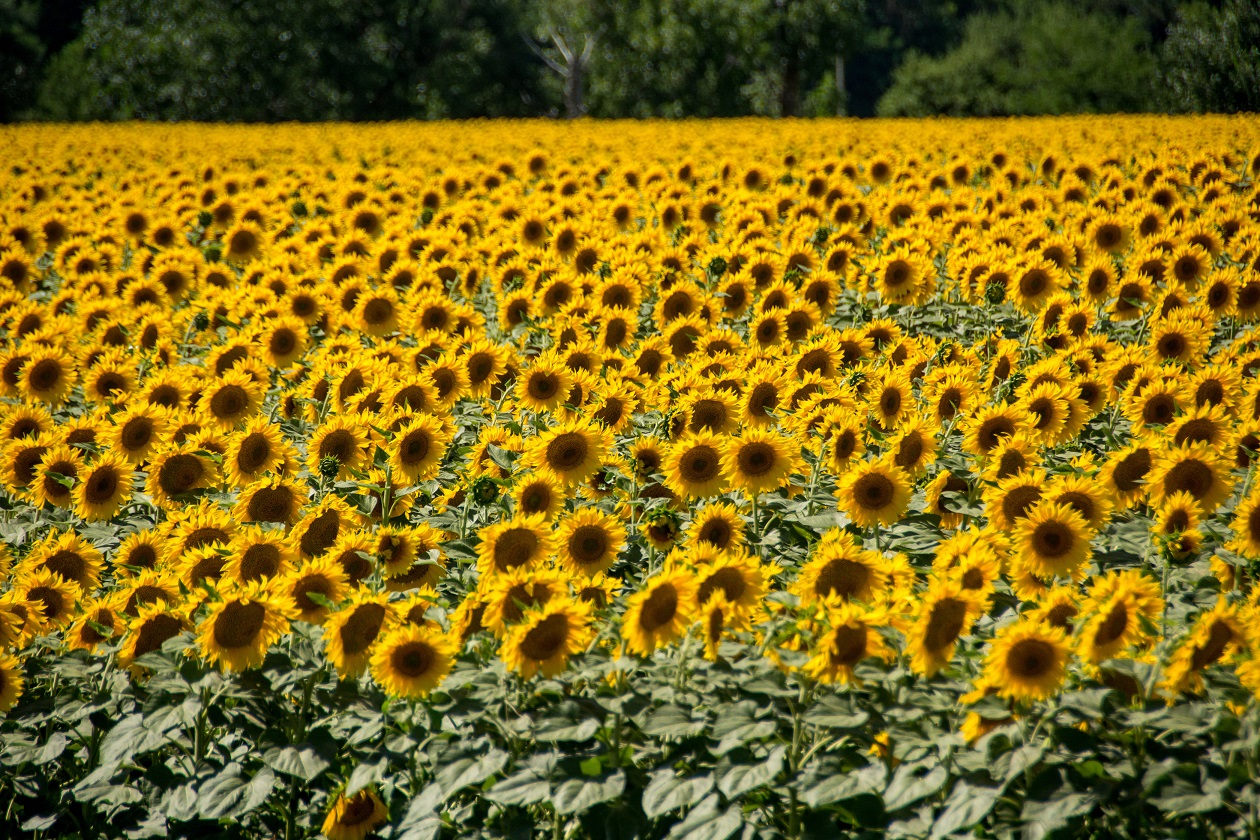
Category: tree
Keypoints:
(1211, 60)
(20, 53)
(1039, 58)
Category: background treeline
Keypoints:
(390, 59)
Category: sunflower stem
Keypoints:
(756, 526)
(681, 678)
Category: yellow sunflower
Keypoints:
(875, 492)
(548, 636)
(589, 541)
(760, 460)
(693, 466)
(660, 612)
(241, 627)
(355, 817)
(411, 661)
(1027, 661)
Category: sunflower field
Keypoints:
(631, 480)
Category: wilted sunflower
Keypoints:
(241, 627)
(355, 817)
(693, 465)
(660, 612)
(1027, 661)
(411, 661)
(589, 541)
(547, 636)
(875, 492)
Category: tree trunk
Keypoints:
(842, 96)
(790, 103)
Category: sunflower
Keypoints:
(1027, 661)
(231, 399)
(852, 635)
(98, 622)
(176, 471)
(571, 451)
(138, 431)
(589, 541)
(320, 527)
(138, 551)
(56, 476)
(105, 487)
(841, 570)
(1126, 472)
(69, 556)
(154, 625)
(1082, 494)
(660, 612)
(47, 376)
(936, 502)
(875, 492)
(416, 450)
(11, 681)
(313, 588)
(538, 493)
(255, 450)
(284, 339)
(1052, 540)
(240, 628)
(355, 817)
(760, 460)
(545, 385)
(258, 555)
(1194, 468)
(693, 465)
(904, 277)
(351, 633)
(891, 399)
(991, 425)
(739, 577)
(342, 438)
(548, 636)
(1246, 527)
(1217, 635)
(914, 447)
(520, 542)
(411, 661)
(719, 525)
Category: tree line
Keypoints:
(269, 60)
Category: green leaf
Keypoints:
(837, 787)
(742, 778)
(668, 792)
(913, 782)
(966, 807)
(577, 795)
(523, 788)
(830, 713)
(1043, 818)
(463, 772)
(708, 822)
(230, 794)
(368, 773)
(670, 721)
(305, 762)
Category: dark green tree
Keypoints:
(1211, 60)
(1038, 58)
(20, 53)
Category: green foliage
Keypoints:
(20, 53)
(1211, 60)
(1040, 58)
(314, 59)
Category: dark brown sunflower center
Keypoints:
(413, 659)
(699, 464)
(362, 628)
(874, 491)
(514, 547)
(589, 544)
(756, 459)
(239, 624)
(1052, 539)
(547, 638)
(1030, 658)
(848, 645)
(567, 452)
(660, 607)
(1191, 476)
